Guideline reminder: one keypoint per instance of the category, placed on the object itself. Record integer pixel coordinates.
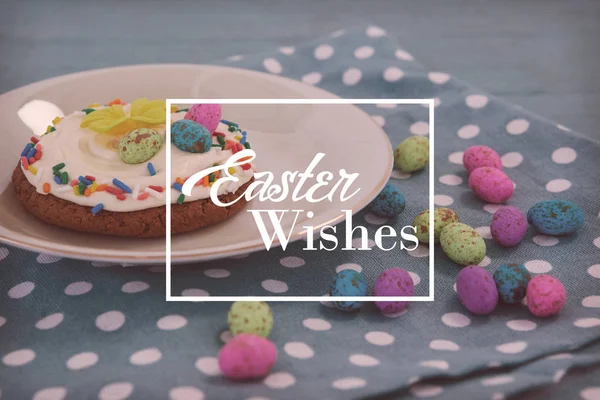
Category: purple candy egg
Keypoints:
(491, 185)
(477, 290)
(508, 226)
(481, 156)
(207, 115)
(393, 282)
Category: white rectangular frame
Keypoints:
(430, 105)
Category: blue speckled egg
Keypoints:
(389, 203)
(511, 281)
(555, 217)
(190, 136)
(348, 283)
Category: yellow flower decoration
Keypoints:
(144, 113)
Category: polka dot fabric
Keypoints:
(76, 329)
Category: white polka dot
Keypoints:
(441, 344)
(327, 303)
(379, 338)
(403, 55)
(237, 57)
(323, 52)
(386, 106)
(134, 287)
(415, 278)
(538, 266)
(357, 243)
(375, 219)
(590, 393)
(456, 320)
(292, 262)
(280, 380)
(452, 180)
(454, 287)
(558, 185)
(442, 200)
(524, 301)
(51, 393)
(274, 286)
(18, 357)
(436, 102)
(338, 33)
(517, 126)
(77, 288)
(82, 360)
(351, 76)
(395, 314)
(498, 380)
(476, 101)
(364, 52)
(512, 347)
(597, 242)
(226, 336)
(456, 158)
(145, 356)
(194, 292)
(287, 50)
(378, 119)
(497, 396)
(110, 321)
(420, 251)
(2, 321)
(521, 325)
(50, 321)
(47, 259)
(316, 324)
(116, 391)
(21, 290)
(397, 174)
(3, 253)
(558, 375)
(363, 360)
(494, 364)
(512, 159)
(594, 271)
(217, 273)
(392, 74)
(272, 65)
(438, 77)
(591, 302)
(543, 240)
(564, 155)
(437, 364)
(485, 262)
(185, 393)
(298, 350)
(375, 32)
(343, 267)
(484, 232)
(426, 390)
(312, 78)
(468, 132)
(560, 356)
(492, 208)
(349, 383)
(171, 322)
(420, 128)
(208, 366)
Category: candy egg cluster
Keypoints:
(486, 178)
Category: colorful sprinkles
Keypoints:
(121, 185)
(151, 169)
(97, 208)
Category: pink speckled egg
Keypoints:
(491, 185)
(207, 115)
(476, 290)
(393, 282)
(481, 156)
(546, 295)
(247, 356)
(508, 226)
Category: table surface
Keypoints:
(542, 56)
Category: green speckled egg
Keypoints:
(139, 145)
(462, 244)
(412, 154)
(253, 317)
(441, 218)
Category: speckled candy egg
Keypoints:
(555, 217)
(247, 356)
(441, 218)
(393, 282)
(491, 185)
(412, 154)
(481, 156)
(139, 145)
(207, 115)
(476, 290)
(190, 136)
(546, 296)
(250, 317)
(348, 283)
(508, 226)
(511, 281)
(389, 203)
(462, 244)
